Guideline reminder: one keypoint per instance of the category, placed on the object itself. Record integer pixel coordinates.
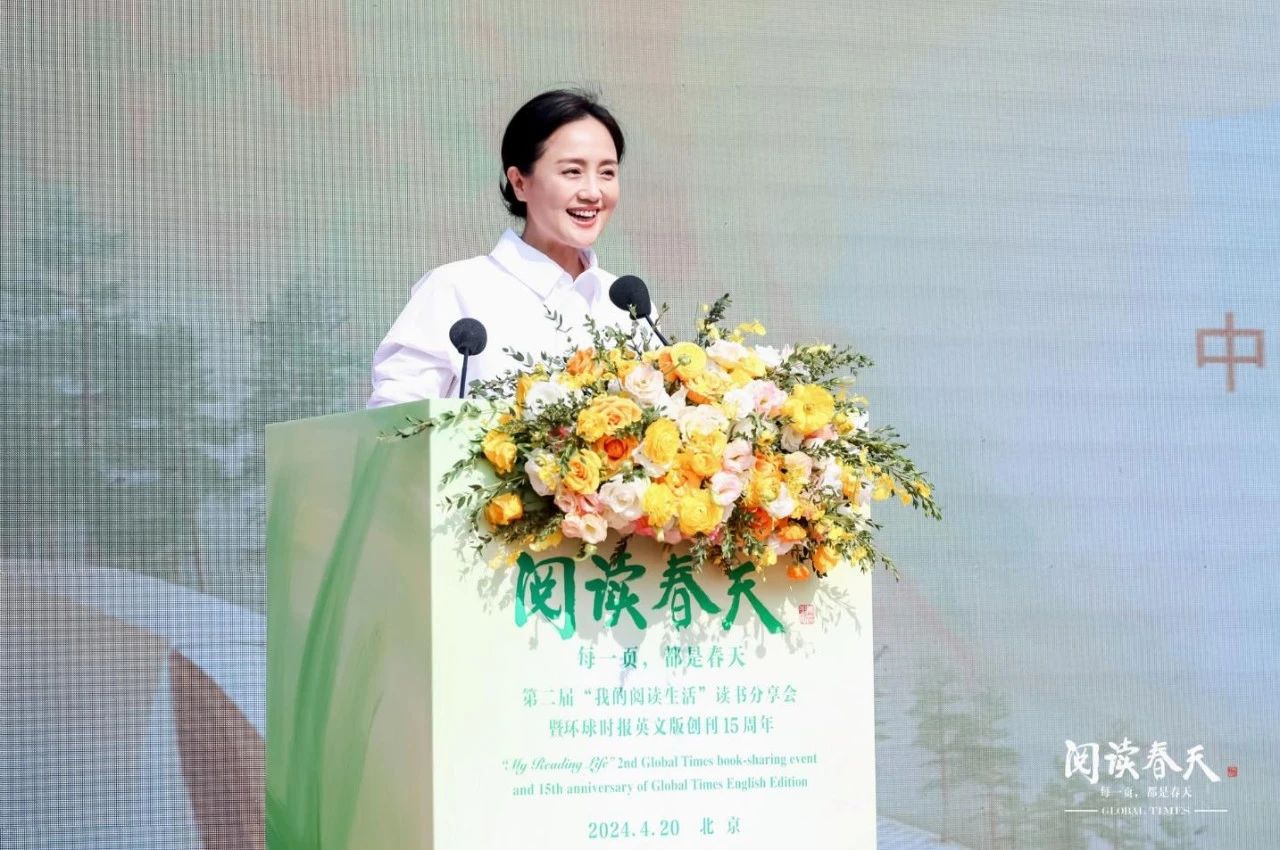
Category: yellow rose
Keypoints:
(583, 474)
(661, 442)
(607, 414)
(591, 424)
(705, 387)
(523, 384)
(824, 559)
(699, 513)
(500, 450)
(504, 509)
(809, 407)
(659, 504)
(684, 360)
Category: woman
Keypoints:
(560, 153)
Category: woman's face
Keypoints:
(572, 188)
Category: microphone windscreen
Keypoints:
(629, 291)
(468, 336)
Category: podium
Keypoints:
(426, 696)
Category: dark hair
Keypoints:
(526, 135)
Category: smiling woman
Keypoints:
(561, 155)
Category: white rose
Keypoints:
(623, 501)
(725, 488)
(701, 419)
(769, 356)
(541, 395)
(645, 384)
(726, 352)
(781, 507)
(675, 403)
(589, 528)
(594, 528)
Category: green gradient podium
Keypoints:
(420, 696)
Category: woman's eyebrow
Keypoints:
(579, 161)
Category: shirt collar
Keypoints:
(532, 267)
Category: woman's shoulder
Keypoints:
(451, 275)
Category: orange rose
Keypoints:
(504, 509)
(797, 572)
(582, 361)
(615, 449)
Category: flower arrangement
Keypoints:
(743, 452)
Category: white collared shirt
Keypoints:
(509, 291)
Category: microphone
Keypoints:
(468, 337)
(629, 293)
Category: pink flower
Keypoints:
(768, 396)
(738, 457)
(726, 487)
(589, 528)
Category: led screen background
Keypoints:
(1023, 212)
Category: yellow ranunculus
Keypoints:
(504, 509)
(704, 454)
(684, 360)
(583, 473)
(824, 559)
(606, 414)
(699, 513)
(661, 442)
(764, 484)
(809, 407)
(500, 450)
(659, 504)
